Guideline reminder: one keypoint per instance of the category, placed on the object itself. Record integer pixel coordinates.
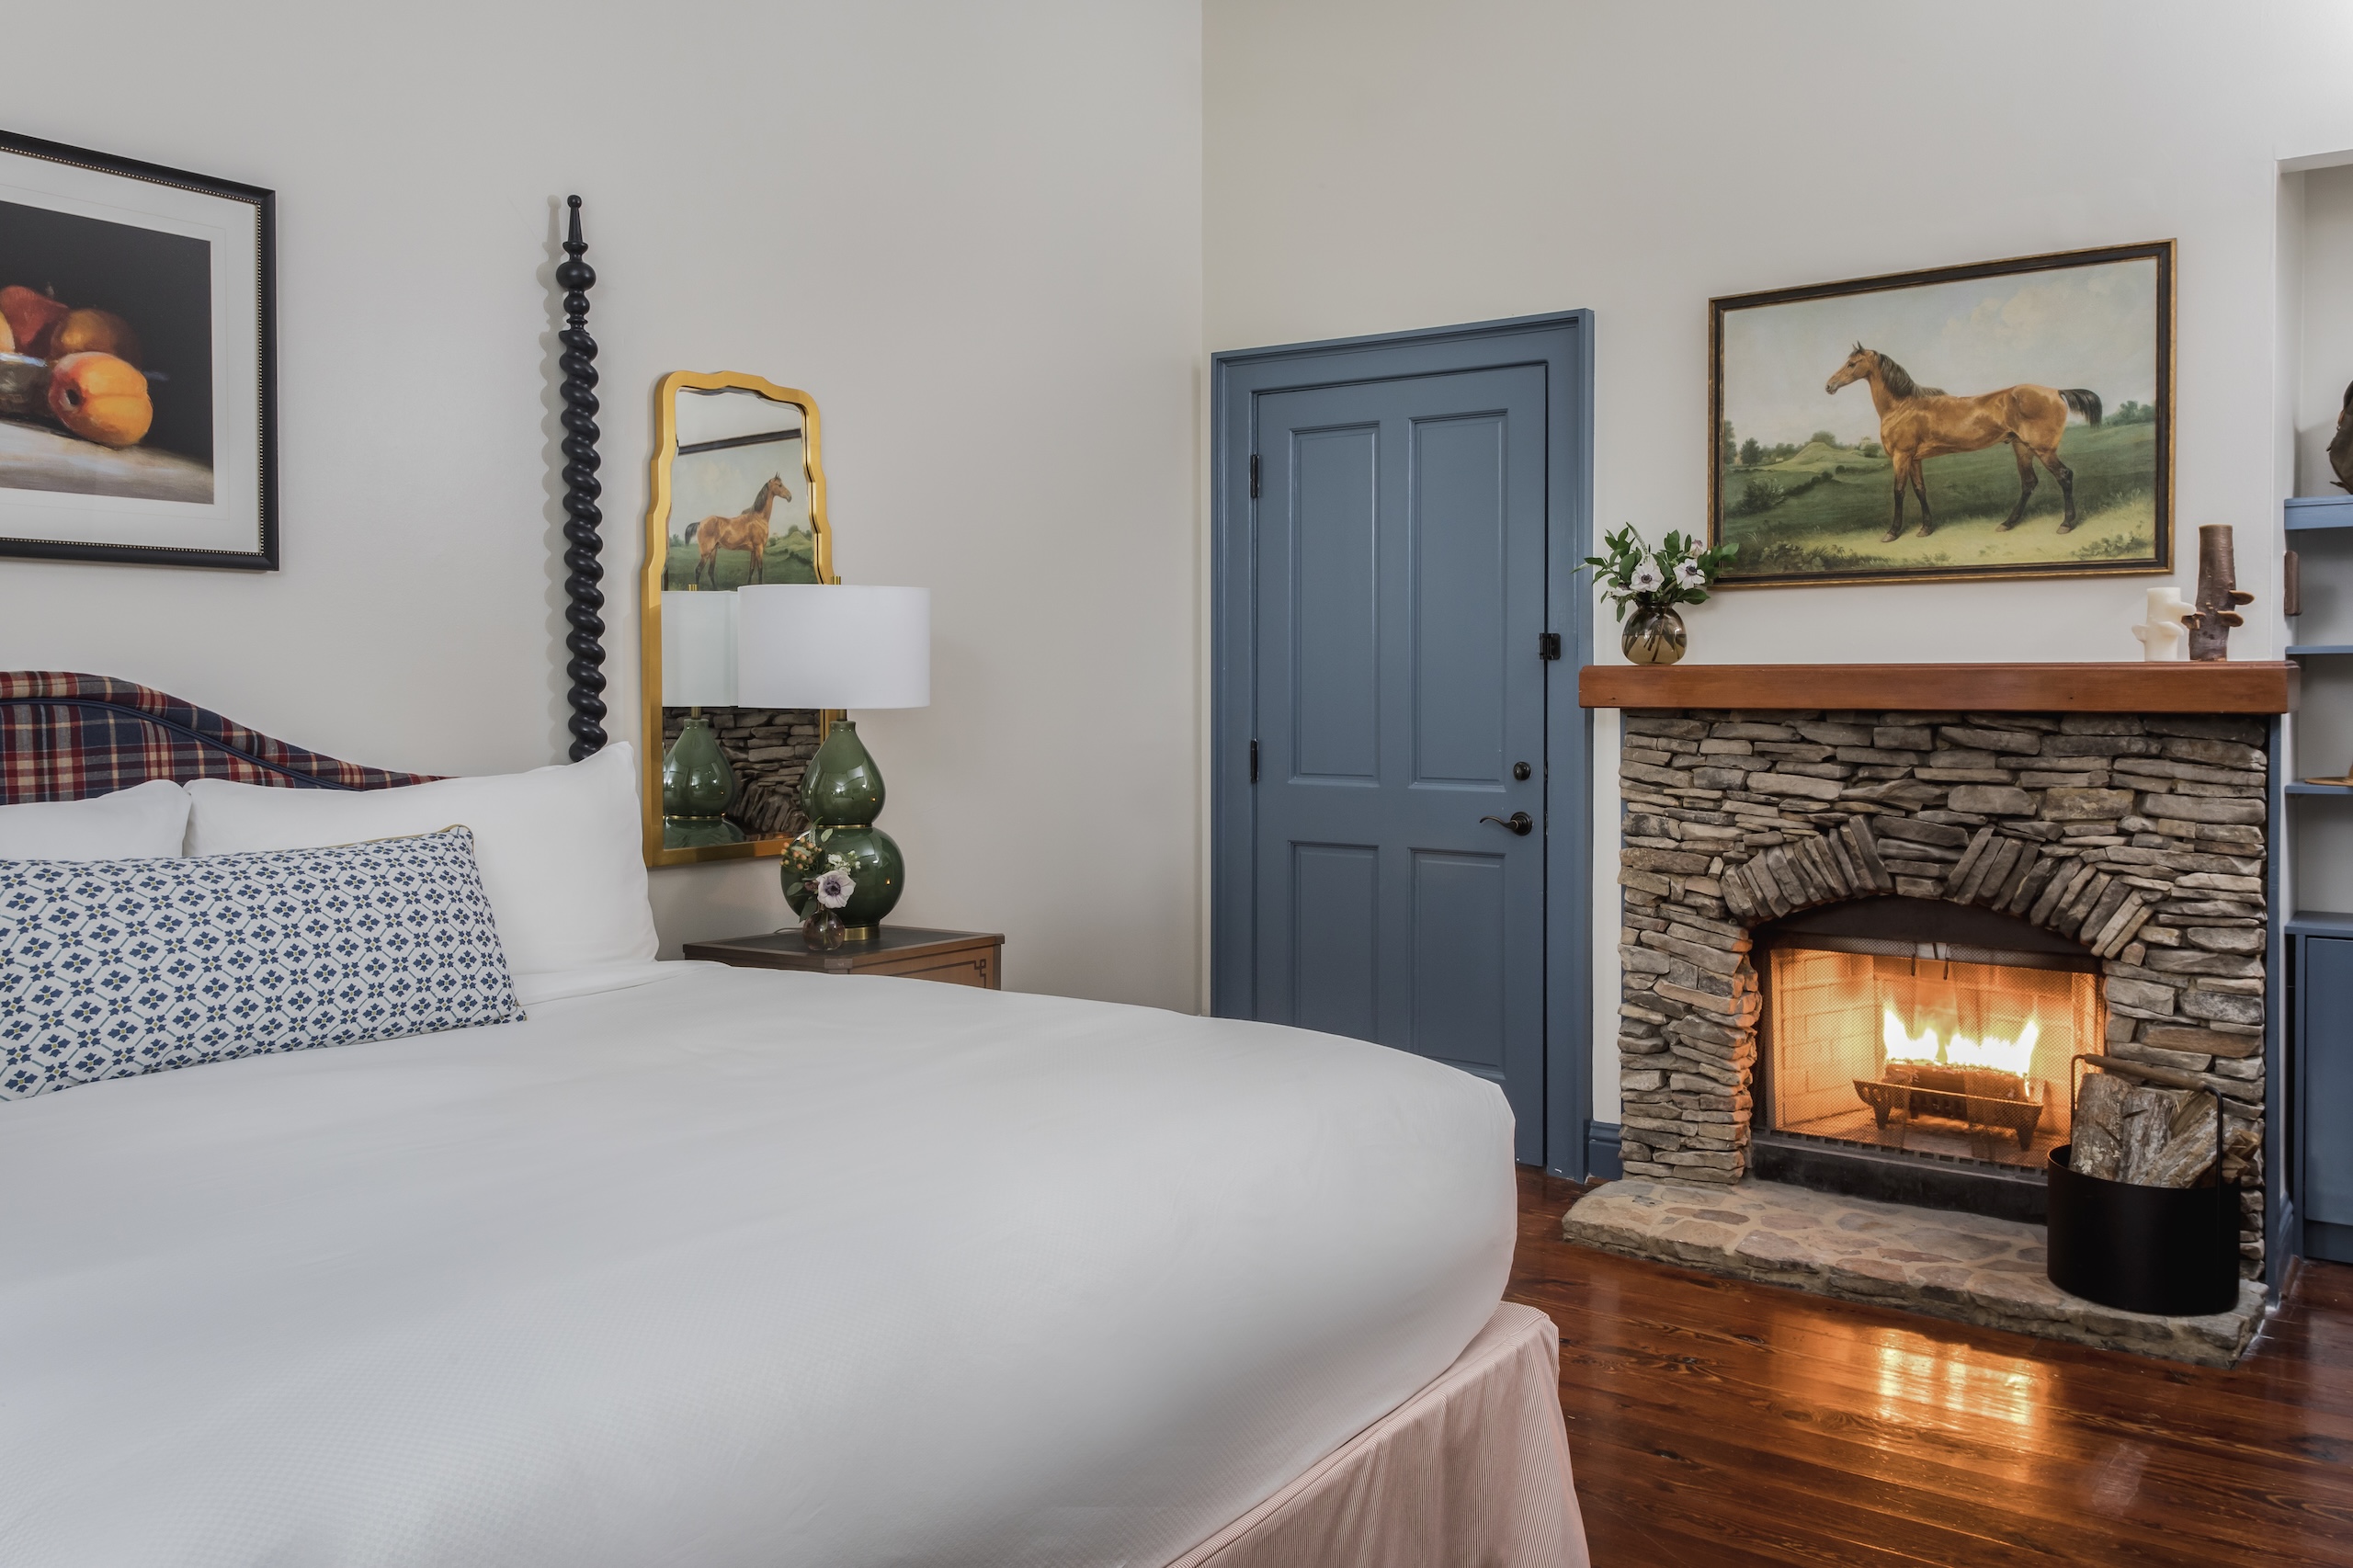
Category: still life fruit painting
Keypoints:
(135, 399)
(2005, 419)
(105, 337)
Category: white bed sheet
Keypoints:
(730, 1266)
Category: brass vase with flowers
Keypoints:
(1646, 583)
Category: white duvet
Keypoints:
(729, 1266)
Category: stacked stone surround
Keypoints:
(2141, 837)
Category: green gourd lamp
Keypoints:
(698, 672)
(830, 646)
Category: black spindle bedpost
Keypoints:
(580, 492)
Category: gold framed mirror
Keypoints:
(738, 496)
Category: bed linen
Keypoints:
(730, 1267)
(1473, 1470)
(558, 846)
(146, 820)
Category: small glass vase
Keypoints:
(822, 930)
(1652, 636)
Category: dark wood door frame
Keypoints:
(1563, 343)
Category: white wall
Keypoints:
(2316, 289)
(973, 232)
(1377, 164)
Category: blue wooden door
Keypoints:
(1400, 719)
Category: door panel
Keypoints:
(1334, 947)
(1459, 609)
(1334, 618)
(1461, 931)
(1401, 588)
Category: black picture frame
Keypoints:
(240, 528)
(1749, 570)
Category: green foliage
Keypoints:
(1871, 448)
(2132, 412)
(1836, 523)
(1751, 454)
(1763, 494)
(1825, 438)
(1728, 451)
(1677, 572)
(2116, 547)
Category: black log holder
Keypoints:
(2172, 1251)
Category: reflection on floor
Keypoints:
(1720, 1424)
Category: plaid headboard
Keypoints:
(67, 737)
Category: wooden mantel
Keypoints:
(2141, 687)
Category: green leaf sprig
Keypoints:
(1679, 572)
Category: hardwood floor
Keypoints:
(1719, 1424)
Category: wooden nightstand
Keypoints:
(912, 952)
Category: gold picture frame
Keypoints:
(2079, 341)
(732, 422)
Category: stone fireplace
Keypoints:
(1860, 946)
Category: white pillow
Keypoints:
(139, 824)
(559, 846)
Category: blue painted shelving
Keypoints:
(2320, 512)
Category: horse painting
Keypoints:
(744, 530)
(1916, 423)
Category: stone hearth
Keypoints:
(1963, 1266)
(2141, 837)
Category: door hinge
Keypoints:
(1254, 476)
(1254, 762)
(1547, 644)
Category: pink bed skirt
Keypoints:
(1472, 1471)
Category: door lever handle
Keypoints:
(1519, 823)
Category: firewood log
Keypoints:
(2148, 1123)
(2188, 1151)
(2099, 1126)
(2242, 1141)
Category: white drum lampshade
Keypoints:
(698, 650)
(831, 645)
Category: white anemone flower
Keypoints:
(1687, 574)
(1646, 579)
(833, 889)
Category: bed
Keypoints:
(714, 1266)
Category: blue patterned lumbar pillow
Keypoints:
(113, 968)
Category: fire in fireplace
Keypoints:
(1916, 1030)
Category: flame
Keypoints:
(2002, 1055)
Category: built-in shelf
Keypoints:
(2320, 512)
(2320, 923)
(2308, 511)
(2220, 687)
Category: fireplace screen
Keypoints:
(1931, 1055)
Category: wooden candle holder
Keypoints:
(2218, 595)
